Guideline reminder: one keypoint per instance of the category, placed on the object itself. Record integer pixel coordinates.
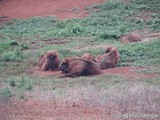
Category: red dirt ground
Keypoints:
(126, 72)
(64, 9)
(47, 110)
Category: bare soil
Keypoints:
(48, 109)
(126, 72)
(63, 9)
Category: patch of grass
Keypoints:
(106, 81)
(16, 68)
(154, 70)
(22, 94)
(141, 54)
(5, 93)
(153, 81)
(10, 53)
(154, 23)
(17, 86)
(11, 56)
(25, 83)
(21, 82)
(103, 23)
(12, 82)
(147, 5)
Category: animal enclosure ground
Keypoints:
(26, 93)
(66, 9)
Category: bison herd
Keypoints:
(79, 66)
(86, 64)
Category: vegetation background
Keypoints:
(22, 41)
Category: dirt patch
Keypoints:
(66, 9)
(48, 110)
(126, 72)
(89, 46)
(55, 41)
(4, 18)
(45, 73)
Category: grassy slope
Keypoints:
(105, 24)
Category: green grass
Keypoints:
(5, 93)
(147, 5)
(152, 70)
(112, 19)
(18, 86)
(153, 81)
(106, 23)
(141, 54)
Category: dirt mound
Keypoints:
(64, 9)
